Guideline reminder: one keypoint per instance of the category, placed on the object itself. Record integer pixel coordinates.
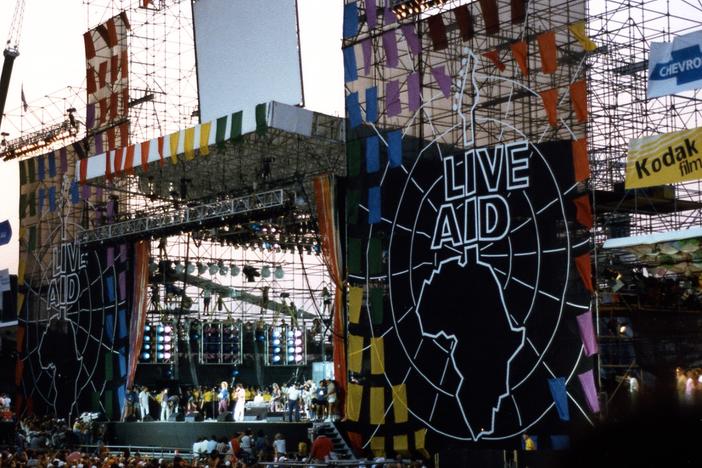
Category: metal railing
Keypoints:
(160, 223)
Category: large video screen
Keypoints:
(247, 53)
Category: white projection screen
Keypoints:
(247, 54)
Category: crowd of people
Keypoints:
(48, 442)
(296, 401)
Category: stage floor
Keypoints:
(183, 434)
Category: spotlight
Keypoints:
(179, 268)
(213, 268)
(266, 271)
(279, 273)
(191, 268)
(251, 273)
(234, 270)
(201, 268)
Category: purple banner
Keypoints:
(392, 98)
(442, 79)
(390, 46)
(122, 285)
(388, 16)
(90, 116)
(110, 210)
(64, 160)
(587, 381)
(85, 191)
(587, 333)
(371, 13)
(98, 143)
(414, 94)
(110, 257)
(122, 252)
(367, 48)
(412, 39)
(98, 192)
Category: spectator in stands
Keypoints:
(222, 445)
(321, 449)
(211, 444)
(279, 448)
(246, 442)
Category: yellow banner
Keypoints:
(664, 159)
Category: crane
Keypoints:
(10, 53)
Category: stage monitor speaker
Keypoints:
(226, 416)
(250, 418)
(148, 418)
(193, 417)
(176, 417)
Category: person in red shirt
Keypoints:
(321, 448)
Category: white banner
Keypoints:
(675, 67)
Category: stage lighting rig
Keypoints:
(406, 8)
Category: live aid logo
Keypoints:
(64, 286)
(478, 179)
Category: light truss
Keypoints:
(183, 218)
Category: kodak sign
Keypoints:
(664, 159)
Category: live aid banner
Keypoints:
(664, 159)
(675, 66)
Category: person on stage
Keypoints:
(223, 397)
(207, 404)
(275, 398)
(163, 399)
(293, 403)
(240, 394)
(144, 398)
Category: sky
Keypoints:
(52, 59)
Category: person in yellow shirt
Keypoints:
(529, 444)
(208, 403)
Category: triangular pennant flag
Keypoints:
(160, 152)
(581, 164)
(582, 263)
(547, 51)
(205, 138)
(491, 17)
(550, 100)
(173, 141)
(560, 397)
(519, 52)
(145, 145)
(587, 381)
(129, 160)
(189, 143)
(587, 333)
(578, 97)
(583, 210)
(494, 57)
(578, 30)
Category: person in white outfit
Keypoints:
(240, 395)
(144, 398)
(165, 410)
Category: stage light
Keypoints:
(298, 333)
(223, 270)
(201, 269)
(147, 328)
(213, 268)
(279, 273)
(145, 356)
(160, 347)
(160, 355)
(179, 268)
(276, 358)
(147, 347)
(152, 266)
(291, 358)
(147, 338)
(291, 350)
(251, 273)
(167, 356)
(167, 329)
(234, 270)
(276, 342)
(191, 268)
(266, 271)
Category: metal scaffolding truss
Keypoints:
(180, 219)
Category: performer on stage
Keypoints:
(207, 404)
(144, 397)
(163, 399)
(223, 397)
(240, 394)
(276, 395)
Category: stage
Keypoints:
(183, 434)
